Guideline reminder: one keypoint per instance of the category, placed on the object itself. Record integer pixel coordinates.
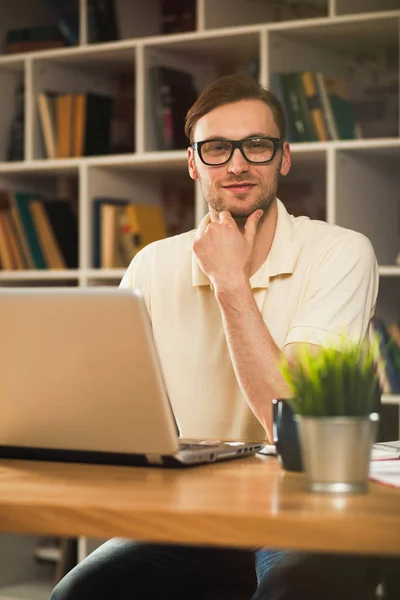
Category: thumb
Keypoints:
(250, 229)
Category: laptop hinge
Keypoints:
(154, 459)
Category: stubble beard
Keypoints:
(263, 201)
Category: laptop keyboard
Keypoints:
(197, 446)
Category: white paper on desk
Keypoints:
(385, 471)
(268, 449)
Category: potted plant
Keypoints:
(334, 395)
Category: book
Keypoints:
(96, 122)
(309, 84)
(47, 239)
(35, 33)
(385, 450)
(97, 237)
(173, 92)
(122, 126)
(16, 134)
(65, 106)
(22, 203)
(6, 256)
(342, 107)
(12, 240)
(104, 25)
(276, 87)
(150, 223)
(47, 116)
(109, 238)
(386, 472)
(65, 227)
(292, 104)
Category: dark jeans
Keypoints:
(126, 570)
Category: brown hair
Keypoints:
(233, 88)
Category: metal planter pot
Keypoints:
(336, 452)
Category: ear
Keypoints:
(286, 160)
(191, 163)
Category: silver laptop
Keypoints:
(80, 381)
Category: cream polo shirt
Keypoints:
(318, 282)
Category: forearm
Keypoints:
(254, 354)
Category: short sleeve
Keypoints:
(340, 297)
(138, 275)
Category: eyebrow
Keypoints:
(251, 135)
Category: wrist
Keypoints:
(233, 286)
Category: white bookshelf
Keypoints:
(357, 181)
(27, 590)
(21, 578)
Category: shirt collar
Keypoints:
(281, 259)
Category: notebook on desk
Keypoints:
(385, 450)
(385, 463)
(81, 381)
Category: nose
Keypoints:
(238, 164)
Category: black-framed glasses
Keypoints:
(257, 150)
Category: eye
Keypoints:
(258, 145)
(216, 146)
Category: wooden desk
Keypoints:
(247, 503)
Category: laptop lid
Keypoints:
(79, 371)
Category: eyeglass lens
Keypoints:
(216, 152)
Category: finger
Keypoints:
(226, 216)
(250, 229)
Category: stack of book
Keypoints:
(121, 229)
(172, 94)
(36, 232)
(63, 32)
(317, 107)
(75, 124)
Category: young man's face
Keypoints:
(239, 186)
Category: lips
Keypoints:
(239, 187)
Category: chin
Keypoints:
(241, 214)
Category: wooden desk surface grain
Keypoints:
(243, 503)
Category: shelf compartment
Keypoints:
(348, 7)
(20, 573)
(367, 199)
(42, 239)
(27, 590)
(226, 13)
(363, 52)
(130, 21)
(303, 190)
(82, 75)
(12, 121)
(167, 186)
(172, 68)
(21, 14)
(388, 303)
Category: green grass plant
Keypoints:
(333, 383)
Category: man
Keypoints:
(226, 303)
